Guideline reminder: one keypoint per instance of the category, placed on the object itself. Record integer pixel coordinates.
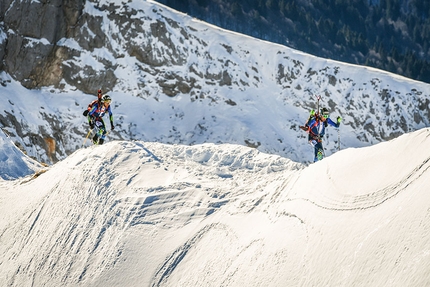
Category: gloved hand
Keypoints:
(91, 122)
(312, 112)
(85, 113)
(339, 119)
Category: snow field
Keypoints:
(151, 214)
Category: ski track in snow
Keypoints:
(175, 258)
(376, 198)
(82, 210)
(152, 214)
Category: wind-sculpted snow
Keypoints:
(150, 214)
(177, 80)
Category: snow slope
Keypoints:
(13, 162)
(150, 214)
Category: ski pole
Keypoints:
(338, 139)
(88, 134)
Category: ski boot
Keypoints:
(320, 154)
(96, 139)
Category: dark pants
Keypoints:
(318, 147)
(100, 129)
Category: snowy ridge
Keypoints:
(150, 214)
(13, 162)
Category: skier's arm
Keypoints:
(90, 118)
(111, 118)
(91, 115)
(336, 125)
(92, 111)
(90, 105)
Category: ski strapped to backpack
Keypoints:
(318, 104)
(315, 114)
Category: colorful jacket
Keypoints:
(90, 106)
(316, 126)
(99, 110)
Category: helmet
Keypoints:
(324, 112)
(106, 99)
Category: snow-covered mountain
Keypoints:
(13, 162)
(204, 181)
(177, 80)
(134, 213)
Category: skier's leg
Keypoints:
(316, 153)
(95, 139)
(103, 133)
(99, 131)
(319, 151)
(314, 144)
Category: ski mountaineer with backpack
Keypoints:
(315, 126)
(95, 118)
(99, 100)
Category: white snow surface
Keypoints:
(183, 202)
(134, 213)
(13, 162)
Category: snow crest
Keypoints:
(151, 214)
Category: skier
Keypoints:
(99, 98)
(315, 126)
(95, 119)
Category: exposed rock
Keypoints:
(252, 144)
(50, 143)
(230, 102)
(33, 29)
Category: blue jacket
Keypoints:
(99, 110)
(317, 126)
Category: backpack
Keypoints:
(90, 106)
